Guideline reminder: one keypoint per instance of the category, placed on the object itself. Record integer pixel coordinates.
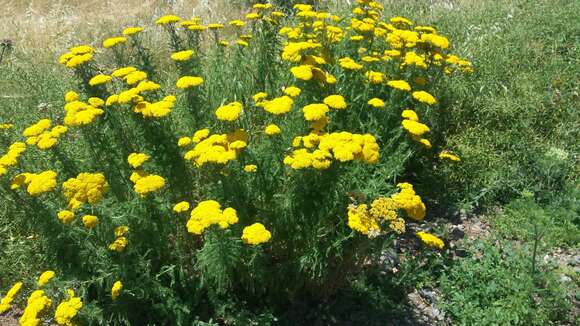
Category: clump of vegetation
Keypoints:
(267, 166)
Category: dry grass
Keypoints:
(52, 25)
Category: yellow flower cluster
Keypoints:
(121, 241)
(90, 221)
(85, 188)
(156, 109)
(217, 148)
(229, 112)
(360, 220)
(368, 221)
(6, 302)
(431, 240)
(44, 278)
(79, 113)
(208, 213)
(342, 146)
(167, 19)
(114, 41)
(335, 102)
(255, 234)
(37, 303)
(182, 55)
(188, 81)
(68, 309)
(39, 135)
(272, 130)
(181, 207)
(409, 201)
(446, 155)
(11, 157)
(116, 290)
(144, 183)
(100, 79)
(424, 97)
(36, 183)
(135, 160)
(77, 56)
(414, 128)
(130, 31)
(277, 106)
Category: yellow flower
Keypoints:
(85, 188)
(256, 234)
(376, 102)
(215, 26)
(90, 221)
(242, 43)
(122, 72)
(292, 91)
(424, 97)
(100, 79)
(375, 77)
(349, 64)
(129, 31)
(208, 213)
(181, 207)
(37, 128)
(6, 301)
(113, 41)
(258, 97)
(335, 102)
(410, 202)
(449, 156)
(410, 114)
(45, 278)
(303, 72)
(82, 49)
(149, 184)
(272, 130)
(415, 128)
(119, 244)
(229, 112)
(37, 183)
(137, 159)
(401, 20)
(68, 309)
(250, 168)
(279, 105)
(399, 84)
(135, 77)
(182, 55)
(237, 23)
(37, 303)
(116, 290)
(121, 230)
(361, 221)
(183, 141)
(315, 111)
(66, 216)
(252, 16)
(167, 19)
(430, 240)
(200, 135)
(425, 142)
(189, 81)
(71, 96)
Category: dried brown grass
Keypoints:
(53, 25)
